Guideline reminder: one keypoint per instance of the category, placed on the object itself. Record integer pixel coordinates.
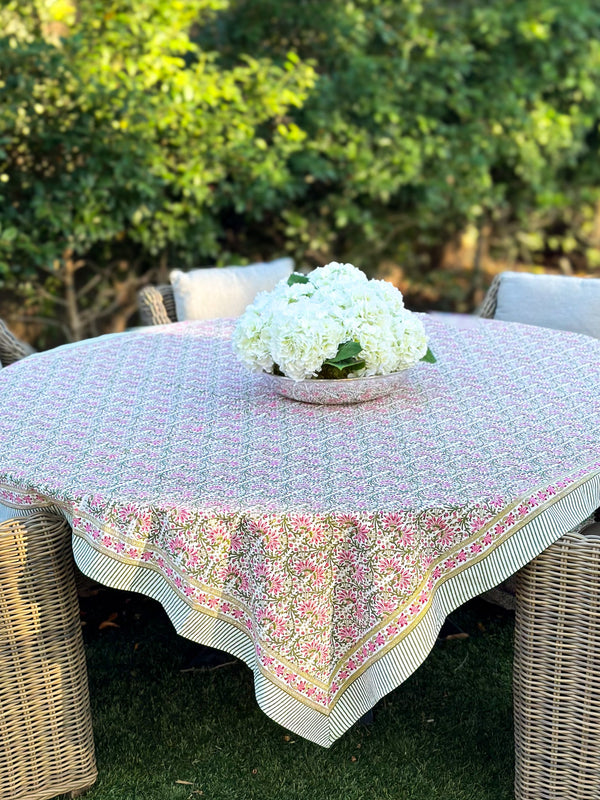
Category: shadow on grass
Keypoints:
(165, 732)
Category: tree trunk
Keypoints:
(70, 267)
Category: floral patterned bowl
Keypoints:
(335, 392)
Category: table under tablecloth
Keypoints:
(323, 545)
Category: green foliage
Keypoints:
(430, 115)
(125, 137)
(153, 132)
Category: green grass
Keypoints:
(445, 733)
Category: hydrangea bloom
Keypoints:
(298, 326)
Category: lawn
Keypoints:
(164, 731)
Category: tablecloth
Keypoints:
(323, 545)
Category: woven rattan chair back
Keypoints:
(556, 685)
(533, 288)
(156, 305)
(46, 742)
(487, 309)
(11, 348)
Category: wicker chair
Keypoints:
(551, 301)
(156, 305)
(46, 742)
(556, 684)
(11, 348)
(210, 292)
(487, 309)
(556, 687)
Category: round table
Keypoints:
(323, 545)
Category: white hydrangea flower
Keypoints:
(334, 274)
(410, 340)
(298, 290)
(299, 326)
(302, 337)
(251, 340)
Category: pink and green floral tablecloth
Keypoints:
(324, 545)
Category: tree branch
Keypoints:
(46, 321)
(52, 297)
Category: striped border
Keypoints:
(10, 512)
(363, 691)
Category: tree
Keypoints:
(121, 143)
(429, 116)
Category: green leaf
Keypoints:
(339, 371)
(429, 357)
(344, 361)
(349, 364)
(9, 234)
(347, 350)
(296, 278)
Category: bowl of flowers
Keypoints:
(332, 336)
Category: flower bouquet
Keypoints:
(332, 326)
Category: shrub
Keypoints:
(156, 133)
(430, 116)
(123, 144)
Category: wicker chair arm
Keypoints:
(11, 348)
(487, 309)
(157, 305)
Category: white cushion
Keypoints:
(220, 292)
(550, 301)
